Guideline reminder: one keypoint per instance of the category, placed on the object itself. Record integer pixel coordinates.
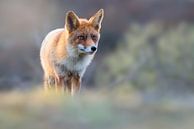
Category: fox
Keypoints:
(66, 52)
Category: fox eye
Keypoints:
(94, 37)
(81, 37)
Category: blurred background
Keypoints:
(146, 51)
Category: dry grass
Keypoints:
(89, 110)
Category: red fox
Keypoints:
(66, 52)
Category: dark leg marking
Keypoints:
(49, 82)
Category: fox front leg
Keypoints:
(49, 82)
(75, 84)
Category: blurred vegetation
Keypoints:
(152, 57)
(93, 110)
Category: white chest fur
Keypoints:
(75, 65)
(78, 64)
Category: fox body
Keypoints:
(66, 52)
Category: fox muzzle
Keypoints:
(87, 49)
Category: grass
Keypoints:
(90, 110)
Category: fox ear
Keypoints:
(96, 20)
(72, 21)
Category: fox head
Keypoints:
(84, 34)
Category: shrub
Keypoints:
(152, 57)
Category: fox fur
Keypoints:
(66, 52)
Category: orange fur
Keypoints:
(65, 53)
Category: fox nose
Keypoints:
(93, 48)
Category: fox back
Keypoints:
(66, 52)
